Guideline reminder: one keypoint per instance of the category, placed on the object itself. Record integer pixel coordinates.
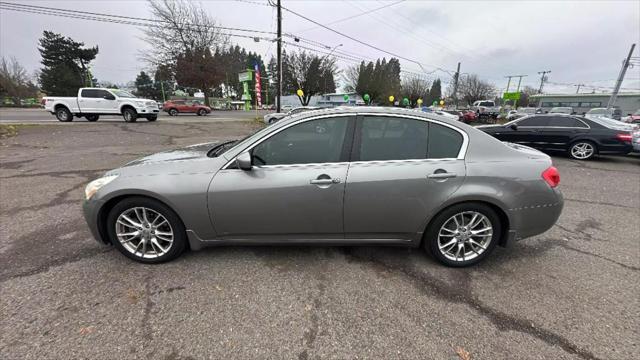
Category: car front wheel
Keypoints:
(463, 234)
(202, 112)
(582, 150)
(92, 118)
(146, 230)
(129, 115)
(152, 118)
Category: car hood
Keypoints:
(187, 153)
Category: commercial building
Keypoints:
(628, 103)
(325, 100)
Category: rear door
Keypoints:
(560, 131)
(89, 100)
(402, 169)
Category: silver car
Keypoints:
(343, 176)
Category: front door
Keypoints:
(295, 189)
(527, 132)
(403, 170)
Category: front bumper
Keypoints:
(147, 110)
(91, 211)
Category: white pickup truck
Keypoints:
(93, 102)
(486, 108)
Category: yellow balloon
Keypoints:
(419, 101)
(391, 98)
(300, 92)
(441, 102)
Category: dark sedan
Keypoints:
(581, 138)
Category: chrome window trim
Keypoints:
(461, 153)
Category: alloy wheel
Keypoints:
(582, 150)
(144, 232)
(465, 236)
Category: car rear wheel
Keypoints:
(129, 115)
(173, 112)
(463, 234)
(146, 230)
(582, 150)
(92, 118)
(63, 114)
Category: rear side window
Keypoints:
(444, 142)
(90, 93)
(387, 138)
(564, 121)
(534, 121)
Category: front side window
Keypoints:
(534, 121)
(314, 141)
(387, 138)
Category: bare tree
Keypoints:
(181, 26)
(14, 81)
(471, 88)
(350, 78)
(414, 88)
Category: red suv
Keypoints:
(175, 107)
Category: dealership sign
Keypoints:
(511, 96)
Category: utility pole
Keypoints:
(578, 89)
(542, 79)
(279, 82)
(455, 86)
(625, 65)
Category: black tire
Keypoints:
(152, 118)
(63, 114)
(202, 112)
(129, 115)
(92, 118)
(430, 239)
(179, 237)
(173, 112)
(573, 151)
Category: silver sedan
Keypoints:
(345, 176)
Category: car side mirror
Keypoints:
(109, 97)
(514, 126)
(243, 161)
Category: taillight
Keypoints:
(624, 137)
(551, 176)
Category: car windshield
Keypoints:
(122, 93)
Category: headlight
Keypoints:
(96, 184)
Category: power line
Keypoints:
(360, 41)
(46, 10)
(355, 16)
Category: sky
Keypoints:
(581, 42)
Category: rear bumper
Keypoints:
(536, 218)
(615, 149)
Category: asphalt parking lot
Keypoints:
(571, 293)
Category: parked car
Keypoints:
(93, 102)
(529, 110)
(175, 107)
(580, 137)
(469, 116)
(486, 108)
(633, 118)
(611, 113)
(561, 110)
(288, 184)
(636, 140)
(274, 117)
(451, 114)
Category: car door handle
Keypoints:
(324, 181)
(442, 175)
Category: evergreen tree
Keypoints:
(66, 64)
(435, 94)
(144, 86)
